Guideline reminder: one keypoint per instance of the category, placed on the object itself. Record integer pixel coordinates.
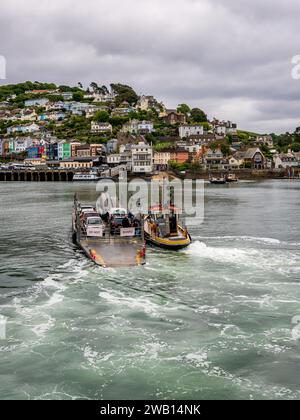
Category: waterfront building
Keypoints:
(285, 160)
(256, 158)
(36, 152)
(252, 158)
(162, 159)
(63, 150)
(113, 159)
(21, 145)
(142, 158)
(38, 161)
(179, 155)
(74, 145)
(76, 164)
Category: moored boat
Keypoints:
(218, 181)
(231, 178)
(90, 176)
(163, 228)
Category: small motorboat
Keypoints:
(231, 178)
(163, 228)
(218, 181)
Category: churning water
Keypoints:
(216, 320)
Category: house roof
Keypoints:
(249, 154)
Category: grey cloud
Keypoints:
(233, 57)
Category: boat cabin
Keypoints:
(164, 220)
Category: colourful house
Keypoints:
(64, 150)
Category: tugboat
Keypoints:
(162, 228)
(110, 240)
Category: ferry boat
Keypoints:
(163, 228)
(81, 176)
(110, 240)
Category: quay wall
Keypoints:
(243, 174)
(36, 176)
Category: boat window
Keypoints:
(94, 221)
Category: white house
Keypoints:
(21, 145)
(68, 96)
(267, 140)
(100, 127)
(100, 97)
(142, 158)
(186, 131)
(28, 128)
(223, 127)
(36, 102)
(190, 146)
(162, 158)
(113, 159)
(145, 127)
(285, 160)
(136, 126)
(235, 162)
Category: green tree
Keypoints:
(198, 115)
(184, 109)
(225, 149)
(195, 167)
(78, 96)
(295, 147)
(118, 121)
(124, 93)
(101, 116)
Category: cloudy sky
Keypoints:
(230, 57)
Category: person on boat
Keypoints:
(136, 223)
(173, 223)
(105, 217)
(125, 222)
(154, 229)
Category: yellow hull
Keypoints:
(169, 243)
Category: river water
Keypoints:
(214, 321)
